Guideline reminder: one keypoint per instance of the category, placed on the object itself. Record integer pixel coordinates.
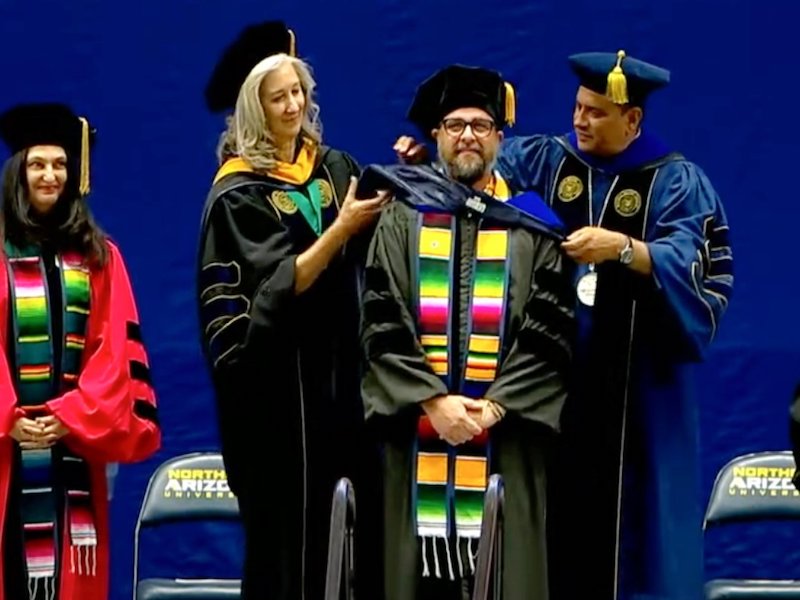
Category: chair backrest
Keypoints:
(489, 568)
(754, 486)
(190, 487)
(340, 568)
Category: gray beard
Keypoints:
(467, 171)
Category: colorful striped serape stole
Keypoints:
(83, 535)
(39, 523)
(436, 255)
(35, 385)
(450, 481)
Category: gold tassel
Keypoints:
(511, 105)
(617, 89)
(292, 43)
(84, 168)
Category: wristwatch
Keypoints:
(626, 254)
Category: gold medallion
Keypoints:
(325, 192)
(283, 202)
(628, 202)
(570, 188)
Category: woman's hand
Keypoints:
(355, 214)
(39, 433)
(52, 429)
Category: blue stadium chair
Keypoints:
(749, 488)
(192, 487)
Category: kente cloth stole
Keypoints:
(50, 474)
(450, 482)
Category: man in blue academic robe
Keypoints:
(656, 274)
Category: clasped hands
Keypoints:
(457, 419)
(38, 433)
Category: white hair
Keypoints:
(247, 134)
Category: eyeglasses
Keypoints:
(480, 127)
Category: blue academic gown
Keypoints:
(631, 528)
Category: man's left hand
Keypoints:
(594, 245)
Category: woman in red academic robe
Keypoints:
(75, 392)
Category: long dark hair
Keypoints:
(69, 226)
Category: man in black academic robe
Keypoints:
(460, 251)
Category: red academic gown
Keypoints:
(109, 414)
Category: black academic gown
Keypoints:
(530, 383)
(284, 368)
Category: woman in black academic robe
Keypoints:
(278, 274)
